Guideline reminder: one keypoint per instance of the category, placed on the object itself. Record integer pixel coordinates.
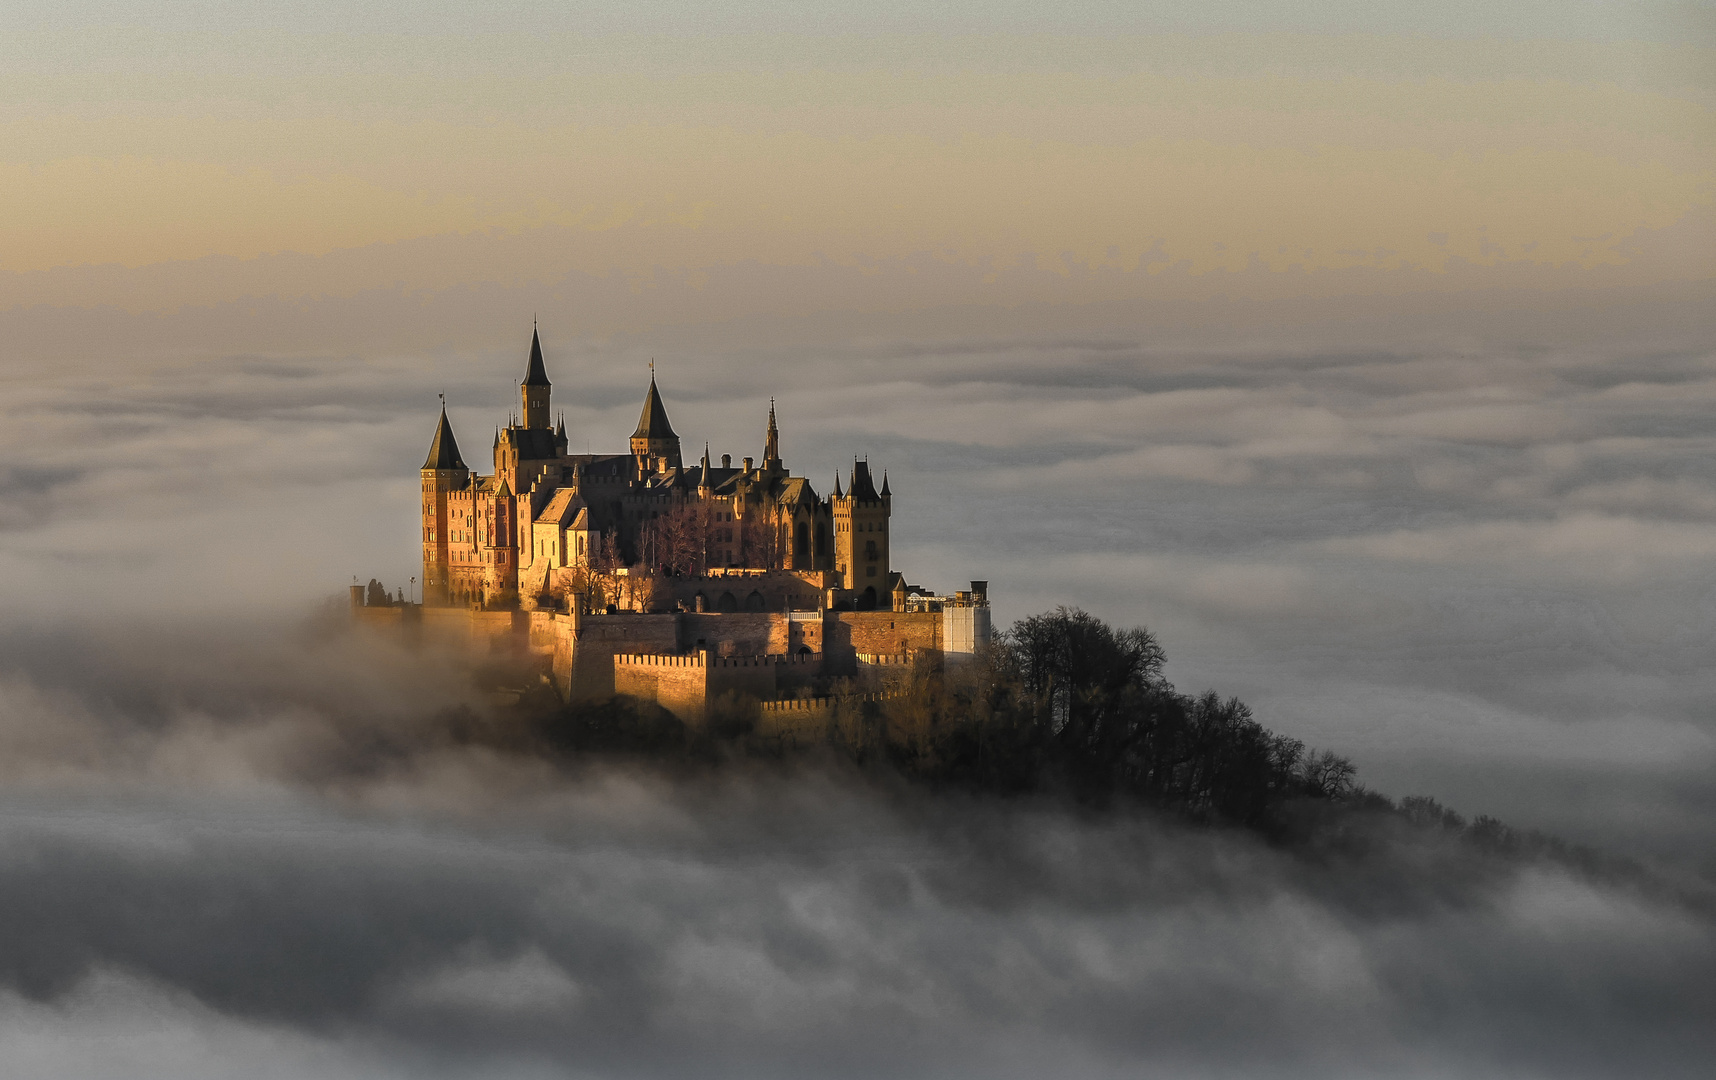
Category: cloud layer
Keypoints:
(205, 867)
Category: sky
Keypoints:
(1363, 352)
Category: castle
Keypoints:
(637, 574)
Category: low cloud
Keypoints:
(273, 845)
(1580, 545)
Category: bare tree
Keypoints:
(597, 577)
(760, 541)
(1328, 774)
(682, 539)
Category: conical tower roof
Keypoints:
(444, 451)
(862, 487)
(537, 375)
(885, 492)
(653, 423)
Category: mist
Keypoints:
(291, 851)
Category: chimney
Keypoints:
(747, 465)
(726, 461)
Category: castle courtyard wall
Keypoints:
(685, 685)
(849, 633)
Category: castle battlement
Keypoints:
(887, 659)
(704, 660)
(820, 703)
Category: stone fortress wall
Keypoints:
(686, 660)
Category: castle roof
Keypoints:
(563, 508)
(653, 423)
(862, 487)
(795, 489)
(444, 451)
(537, 375)
(533, 444)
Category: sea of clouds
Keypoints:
(1481, 570)
(236, 849)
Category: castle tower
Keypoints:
(861, 536)
(654, 443)
(444, 472)
(535, 389)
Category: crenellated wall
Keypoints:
(685, 684)
(687, 660)
(804, 721)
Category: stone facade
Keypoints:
(686, 660)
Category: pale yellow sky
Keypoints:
(1145, 156)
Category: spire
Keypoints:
(560, 432)
(772, 443)
(653, 423)
(496, 446)
(885, 492)
(444, 451)
(837, 494)
(537, 375)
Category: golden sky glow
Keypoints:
(1148, 155)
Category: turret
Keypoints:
(654, 443)
(444, 472)
(535, 389)
(861, 536)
